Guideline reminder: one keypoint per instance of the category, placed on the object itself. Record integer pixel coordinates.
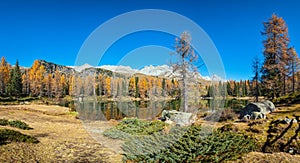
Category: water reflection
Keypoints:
(91, 110)
(119, 110)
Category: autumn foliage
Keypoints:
(37, 81)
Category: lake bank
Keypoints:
(62, 137)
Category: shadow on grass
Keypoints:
(274, 141)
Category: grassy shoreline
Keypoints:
(63, 137)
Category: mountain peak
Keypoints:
(80, 68)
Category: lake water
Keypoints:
(145, 109)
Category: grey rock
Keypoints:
(246, 118)
(289, 120)
(180, 118)
(257, 115)
(264, 107)
(270, 105)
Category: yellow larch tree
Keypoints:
(48, 85)
(4, 75)
(26, 83)
(143, 87)
(36, 76)
(62, 85)
(107, 86)
(131, 87)
(72, 85)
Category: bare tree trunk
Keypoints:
(185, 105)
(293, 77)
(184, 89)
(256, 87)
(284, 84)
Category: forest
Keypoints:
(231, 137)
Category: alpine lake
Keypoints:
(147, 109)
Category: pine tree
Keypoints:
(275, 52)
(256, 70)
(293, 65)
(137, 93)
(15, 81)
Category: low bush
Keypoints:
(228, 115)
(7, 136)
(71, 106)
(3, 122)
(287, 99)
(7, 99)
(15, 123)
(188, 145)
(19, 124)
(132, 126)
(228, 127)
(27, 99)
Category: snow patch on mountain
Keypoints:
(162, 70)
(119, 69)
(80, 68)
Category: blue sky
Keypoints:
(55, 30)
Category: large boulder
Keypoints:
(180, 118)
(264, 107)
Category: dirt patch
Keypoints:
(96, 129)
(269, 157)
(62, 137)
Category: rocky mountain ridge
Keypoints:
(86, 69)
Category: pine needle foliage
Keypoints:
(188, 145)
(129, 127)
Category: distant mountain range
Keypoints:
(162, 70)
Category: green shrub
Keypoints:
(7, 99)
(3, 122)
(228, 127)
(290, 98)
(27, 99)
(188, 145)
(132, 126)
(228, 115)
(19, 124)
(71, 106)
(7, 136)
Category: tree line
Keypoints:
(277, 75)
(242, 88)
(38, 82)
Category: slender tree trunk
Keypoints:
(184, 89)
(256, 86)
(293, 78)
(284, 84)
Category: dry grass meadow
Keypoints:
(62, 137)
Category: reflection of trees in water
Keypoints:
(146, 109)
(119, 110)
